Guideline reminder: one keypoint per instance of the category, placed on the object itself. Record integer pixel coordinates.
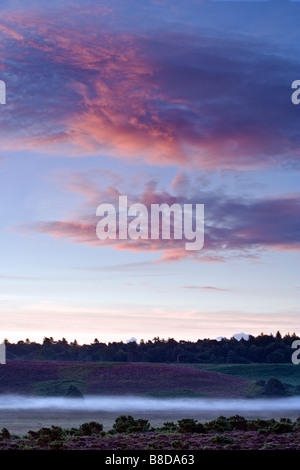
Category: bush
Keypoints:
(260, 382)
(73, 392)
(90, 429)
(127, 424)
(274, 387)
(218, 439)
(261, 424)
(189, 425)
(48, 434)
(282, 427)
(43, 441)
(169, 426)
(238, 422)
(221, 424)
(177, 444)
(56, 444)
(5, 434)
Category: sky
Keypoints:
(164, 102)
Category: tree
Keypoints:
(274, 387)
(278, 336)
(73, 391)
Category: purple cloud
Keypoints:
(234, 226)
(209, 100)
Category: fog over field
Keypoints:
(20, 413)
(124, 404)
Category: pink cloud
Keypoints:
(95, 90)
(234, 227)
(11, 32)
(207, 288)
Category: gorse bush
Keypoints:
(178, 444)
(90, 429)
(221, 424)
(238, 422)
(73, 392)
(188, 425)
(5, 434)
(127, 424)
(275, 388)
(49, 434)
(219, 439)
(181, 433)
(282, 427)
(169, 426)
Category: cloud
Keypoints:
(10, 32)
(213, 288)
(195, 99)
(40, 319)
(235, 226)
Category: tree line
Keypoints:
(260, 349)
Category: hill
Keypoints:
(288, 373)
(55, 378)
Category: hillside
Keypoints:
(54, 378)
(288, 373)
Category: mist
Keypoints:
(124, 404)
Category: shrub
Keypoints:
(48, 434)
(274, 387)
(282, 427)
(260, 382)
(56, 444)
(221, 424)
(73, 392)
(24, 447)
(43, 441)
(169, 426)
(238, 422)
(90, 429)
(260, 424)
(155, 446)
(127, 424)
(189, 425)
(5, 434)
(218, 439)
(178, 444)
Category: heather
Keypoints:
(128, 433)
(54, 378)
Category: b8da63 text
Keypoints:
(169, 459)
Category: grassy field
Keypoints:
(288, 373)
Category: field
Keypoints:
(160, 381)
(106, 378)
(288, 373)
(53, 378)
(128, 433)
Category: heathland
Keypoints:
(64, 378)
(233, 433)
(257, 368)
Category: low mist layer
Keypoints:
(131, 403)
